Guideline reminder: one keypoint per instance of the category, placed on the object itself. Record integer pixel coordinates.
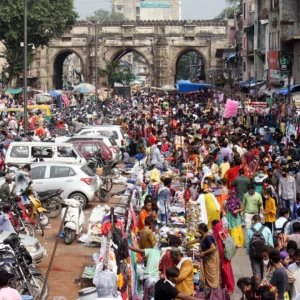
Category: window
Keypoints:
(137, 10)
(87, 133)
(42, 152)
(107, 133)
(138, 18)
(113, 141)
(85, 169)
(244, 66)
(66, 152)
(59, 172)
(20, 151)
(89, 147)
(299, 63)
(119, 7)
(38, 173)
(244, 14)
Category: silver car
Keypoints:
(32, 245)
(75, 180)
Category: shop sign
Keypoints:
(155, 4)
(258, 104)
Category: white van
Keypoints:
(22, 153)
(114, 131)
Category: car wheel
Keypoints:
(81, 198)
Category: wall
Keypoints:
(296, 62)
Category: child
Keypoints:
(270, 210)
(6, 274)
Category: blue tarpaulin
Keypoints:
(230, 57)
(284, 91)
(247, 83)
(57, 96)
(185, 86)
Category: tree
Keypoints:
(228, 12)
(105, 15)
(117, 72)
(46, 19)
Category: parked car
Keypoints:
(88, 148)
(22, 153)
(32, 245)
(109, 141)
(115, 131)
(75, 180)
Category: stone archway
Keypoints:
(57, 65)
(177, 54)
(117, 53)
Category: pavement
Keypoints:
(70, 260)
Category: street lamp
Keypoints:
(95, 24)
(25, 67)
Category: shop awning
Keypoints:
(185, 86)
(248, 83)
(54, 93)
(14, 91)
(284, 91)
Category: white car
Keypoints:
(75, 180)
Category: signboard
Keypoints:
(164, 4)
(258, 104)
(284, 64)
(273, 62)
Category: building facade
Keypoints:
(271, 41)
(155, 10)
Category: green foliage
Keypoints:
(116, 72)
(105, 15)
(46, 19)
(186, 60)
(228, 12)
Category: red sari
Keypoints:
(226, 269)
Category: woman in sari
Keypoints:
(232, 210)
(210, 262)
(227, 277)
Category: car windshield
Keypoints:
(85, 169)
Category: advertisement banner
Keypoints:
(164, 4)
(273, 61)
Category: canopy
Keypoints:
(65, 100)
(185, 86)
(168, 87)
(41, 98)
(84, 88)
(247, 83)
(14, 91)
(54, 93)
(284, 91)
(230, 57)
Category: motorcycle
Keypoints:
(35, 209)
(74, 220)
(27, 280)
(51, 201)
(103, 192)
(15, 214)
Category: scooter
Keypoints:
(74, 220)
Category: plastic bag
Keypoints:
(225, 223)
(106, 283)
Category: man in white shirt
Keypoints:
(282, 224)
(295, 270)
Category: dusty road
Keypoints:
(69, 261)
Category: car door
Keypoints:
(38, 175)
(61, 177)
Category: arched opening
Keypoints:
(138, 66)
(67, 70)
(190, 66)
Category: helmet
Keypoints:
(6, 270)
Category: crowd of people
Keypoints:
(242, 171)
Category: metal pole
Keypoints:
(25, 67)
(96, 60)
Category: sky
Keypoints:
(191, 9)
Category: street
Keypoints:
(69, 261)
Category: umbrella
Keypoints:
(168, 87)
(84, 88)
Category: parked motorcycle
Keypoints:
(27, 280)
(103, 192)
(15, 214)
(51, 201)
(74, 220)
(35, 208)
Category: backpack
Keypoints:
(229, 245)
(278, 237)
(257, 243)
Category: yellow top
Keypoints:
(185, 283)
(270, 206)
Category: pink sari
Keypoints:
(226, 269)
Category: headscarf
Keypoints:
(284, 255)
